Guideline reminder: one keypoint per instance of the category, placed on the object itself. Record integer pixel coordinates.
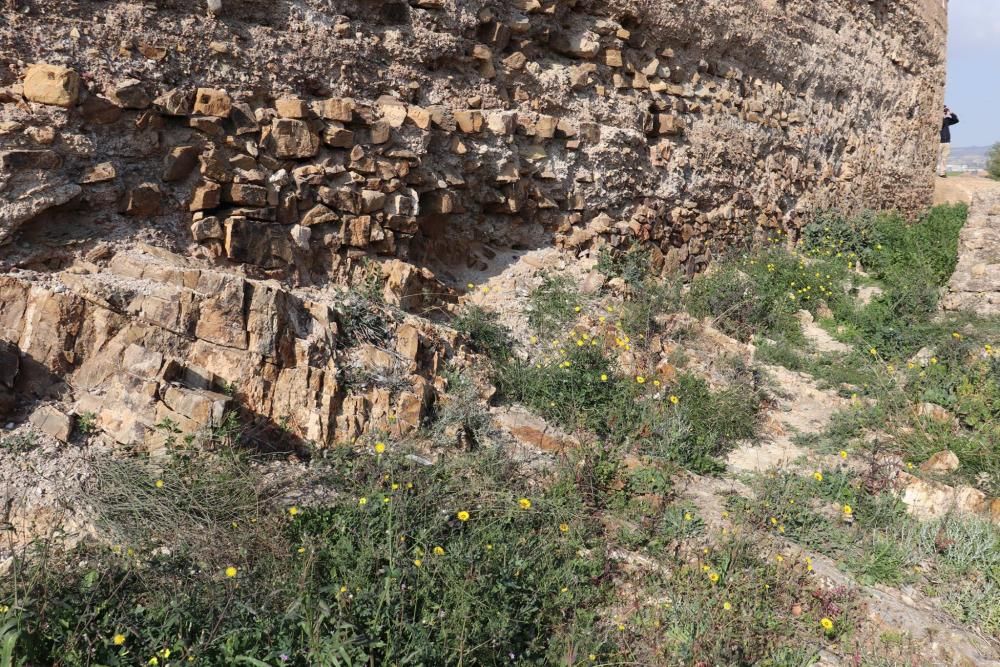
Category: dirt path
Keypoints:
(961, 189)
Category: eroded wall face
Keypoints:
(423, 129)
(159, 165)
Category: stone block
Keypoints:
(339, 109)
(52, 84)
(53, 422)
(292, 107)
(244, 194)
(143, 200)
(130, 94)
(206, 196)
(293, 139)
(179, 162)
(176, 102)
(469, 121)
(212, 102)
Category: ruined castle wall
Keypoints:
(472, 123)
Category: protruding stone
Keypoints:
(469, 121)
(176, 102)
(293, 139)
(245, 194)
(99, 173)
(179, 162)
(212, 102)
(335, 108)
(52, 84)
(337, 136)
(943, 461)
(206, 196)
(207, 229)
(53, 422)
(291, 107)
(130, 94)
(143, 200)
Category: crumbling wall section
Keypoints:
(329, 129)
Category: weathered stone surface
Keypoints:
(175, 102)
(100, 110)
(943, 461)
(207, 195)
(179, 162)
(52, 421)
(143, 200)
(975, 284)
(52, 84)
(293, 139)
(212, 102)
(130, 94)
(931, 500)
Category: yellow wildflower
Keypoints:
(118, 639)
(159, 483)
(713, 577)
(362, 501)
(438, 551)
(524, 503)
(564, 528)
(727, 606)
(293, 510)
(818, 476)
(848, 510)
(674, 400)
(843, 454)
(463, 516)
(604, 377)
(379, 447)
(826, 623)
(640, 379)
(230, 571)
(417, 562)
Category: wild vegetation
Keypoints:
(444, 549)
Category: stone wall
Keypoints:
(160, 165)
(330, 128)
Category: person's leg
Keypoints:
(943, 156)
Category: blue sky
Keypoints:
(974, 70)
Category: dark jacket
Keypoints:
(946, 124)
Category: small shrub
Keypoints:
(362, 318)
(993, 161)
(484, 333)
(632, 265)
(552, 304)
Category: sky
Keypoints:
(974, 71)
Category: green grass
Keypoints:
(954, 558)
(552, 305)
(356, 580)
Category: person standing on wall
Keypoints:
(947, 121)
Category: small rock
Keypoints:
(179, 162)
(105, 171)
(943, 461)
(56, 423)
(130, 94)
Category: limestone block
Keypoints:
(292, 107)
(339, 109)
(53, 422)
(212, 102)
(207, 195)
(130, 94)
(52, 84)
(469, 121)
(179, 162)
(293, 139)
(143, 200)
(175, 102)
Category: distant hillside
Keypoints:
(974, 157)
